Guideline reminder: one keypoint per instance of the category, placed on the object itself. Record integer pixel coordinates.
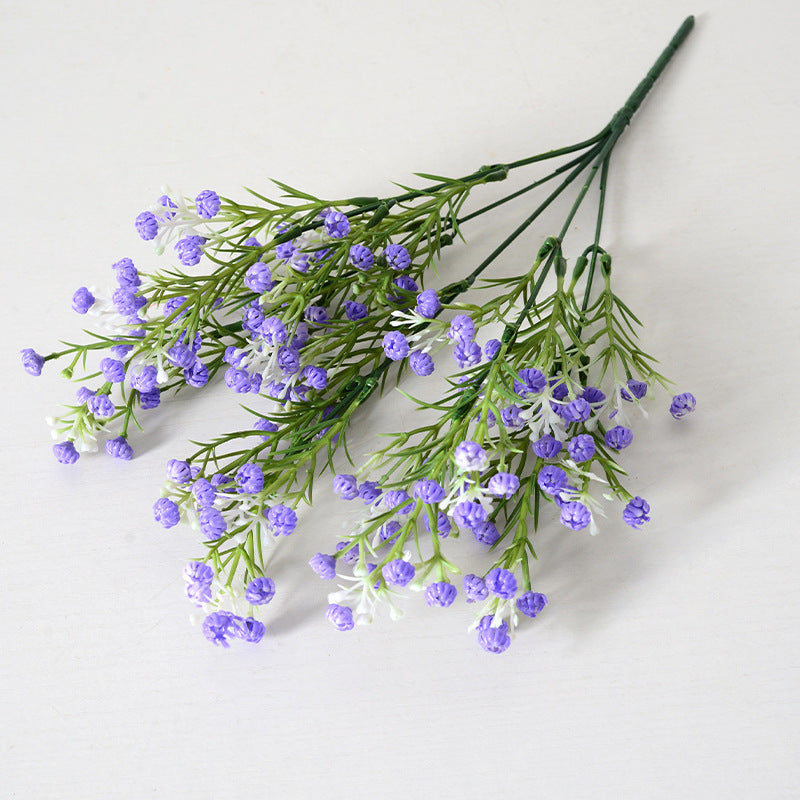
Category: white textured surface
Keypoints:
(667, 662)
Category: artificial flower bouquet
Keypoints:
(310, 308)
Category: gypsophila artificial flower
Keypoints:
(119, 448)
(637, 512)
(65, 453)
(341, 617)
(302, 307)
(441, 594)
(682, 404)
(260, 591)
(531, 603)
(324, 565)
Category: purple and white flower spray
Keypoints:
(304, 307)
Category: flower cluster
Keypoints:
(306, 307)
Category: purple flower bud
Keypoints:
(198, 572)
(124, 301)
(337, 226)
(147, 225)
(369, 492)
(127, 274)
(207, 204)
(682, 404)
(462, 329)
(355, 311)
(341, 617)
(32, 362)
(181, 356)
(65, 453)
(260, 591)
(396, 497)
(258, 278)
(398, 572)
(493, 639)
(421, 363)
(218, 479)
(475, 589)
(558, 389)
(486, 533)
(349, 551)
(285, 250)
(316, 315)
(619, 437)
(120, 351)
(395, 345)
(83, 394)
(407, 284)
(361, 257)
(581, 448)
(502, 583)
(113, 370)
(266, 425)
(166, 512)
(119, 448)
(288, 361)
(575, 515)
(636, 389)
(316, 377)
(277, 391)
(637, 512)
(428, 304)
(100, 405)
(531, 603)
(179, 471)
(189, 250)
(143, 378)
(546, 447)
(166, 203)
(172, 305)
(203, 492)
(531, 381)
(443, 524)
(196, 375)
(212, 523)
(593, 396)
(467, 354)
(346, 486)
(249, 629)
(253, 318)
(397, 257)
(429, 491)
(470, 456)
(301, 336)
(388, 532)
(151, 399)
(237, 379)
(250, 479)
(504, 484)
(82, 300)
(324, 565)
(565, 495)
(273, 332)
(511, 417)
(577, 410)
(551, 479)
(282, 519)
(492, 348)
(217, 627)
(255, 383)
(469, 514)
(440, 594)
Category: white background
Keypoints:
(666, 664)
